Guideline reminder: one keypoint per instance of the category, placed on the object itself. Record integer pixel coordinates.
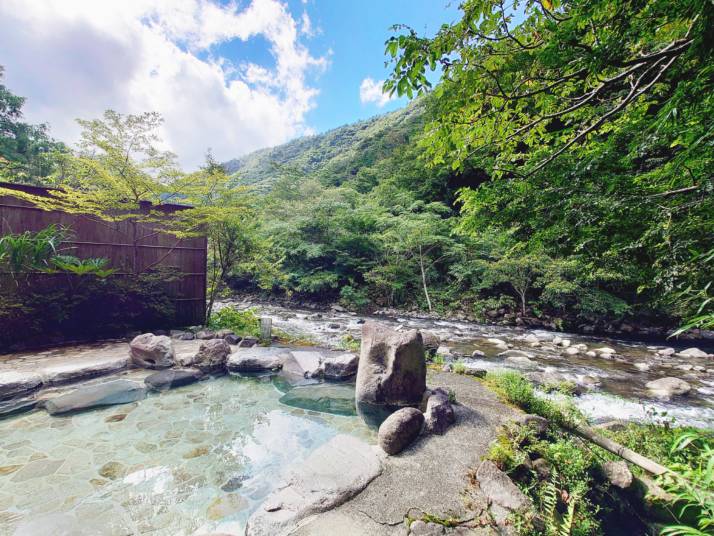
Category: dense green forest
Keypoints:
(559, 174)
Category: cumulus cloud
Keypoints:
(76, 58)
(370, 91)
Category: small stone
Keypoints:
(226, 506)
(476, 372)
(196, 453)
(422, 528)
(439, 413)
(572, 351)
(112, 470)
(7, 469)
(537, 423)
(400, 429)
(604, 350)
(666, 351)
(477, 353)
(116, 418)
(205, 334)
(541, 468)
(643, 367)
(234, 483)
(516, 353)
(692, 352)
(565, 343)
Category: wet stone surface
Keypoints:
(202, 457)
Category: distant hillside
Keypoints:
(335, 156)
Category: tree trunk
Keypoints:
(523, 302)
(423, 279)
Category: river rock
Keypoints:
(520, 360)
(666, 351)
(692, 352)
(248, 342)
(439, 413)
(477, 353)
(308, 363)
(257, 359)
(572, 351)
(500, 344)
(605, 350)
(103, 394)
(617, 473)
(642, 367)
(443, 351)
(341, 367)
(212, 355)
(535, 422)
(504, 497)
(430, 340)
(169, 379)
(516, 353)
(668, 387)
(13, 383)
(330, 476)
(182, 335)
(392, 366)
(152, 351)
(531, 338)
(399, 430)
(205, 334)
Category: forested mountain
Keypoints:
(338, 155)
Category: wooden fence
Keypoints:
(129, 248)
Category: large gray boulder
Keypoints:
(152, 351)
(330, 476)
(392, 366)
(212, 355)
(168, 379)
(439, 413)
(399, 430)
(257, 359)
(668, 387)
(341, 367)
(692, 352)
(103, 394)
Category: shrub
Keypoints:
(244, 323)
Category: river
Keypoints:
(610, 388)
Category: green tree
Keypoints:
(26, 151)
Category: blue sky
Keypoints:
(230, 75)
(355, 31)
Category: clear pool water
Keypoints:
(194, 460)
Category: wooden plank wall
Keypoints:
(94, 238)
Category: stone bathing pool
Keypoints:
(196, 459)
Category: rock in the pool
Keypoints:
(103, 394)
(338, 399)
(152, 351)
(168, 379)
(399, 430)
(341, 367)
(392, 366)
(668, 387)
(439, 413)
(257, 359)
(212, 355)
(330, 476)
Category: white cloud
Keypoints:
(371, 91)
(76, 58)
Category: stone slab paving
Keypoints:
(28, 371)
(430, 476)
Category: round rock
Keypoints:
(400, 429)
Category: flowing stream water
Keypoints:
(611, 388)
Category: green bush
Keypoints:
(244, 323)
